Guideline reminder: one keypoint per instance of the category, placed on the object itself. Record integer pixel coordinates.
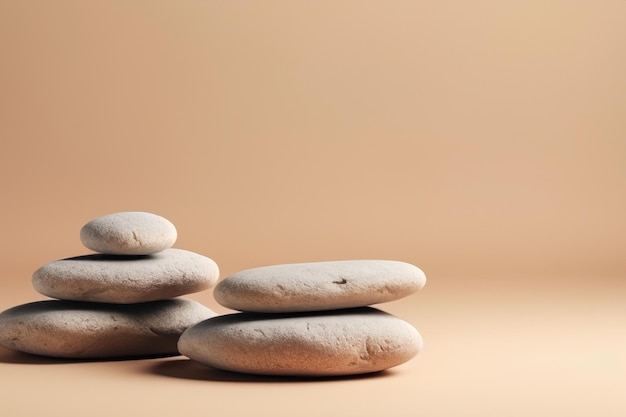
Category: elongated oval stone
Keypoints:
(128, 233)
(124, 279)
(341, 342)
(318, 286)
(70, 329)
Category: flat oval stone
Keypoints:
(124, 279)
(70, 329)
(128, 233)
(341, 342)
(318, 286)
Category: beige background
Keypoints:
(482, 141)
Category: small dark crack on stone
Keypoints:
(343, 281)
(260, 331)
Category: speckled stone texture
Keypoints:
(124, 279)
(69, 329)
(318, 286)
(129, 233)
(341, 342)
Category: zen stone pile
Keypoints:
(309, 319)
(119, 302)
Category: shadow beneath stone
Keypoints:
(188, 369)
(16, 357)
(105, 257)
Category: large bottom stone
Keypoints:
(71, 329)
(340, 342)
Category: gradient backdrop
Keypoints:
(483, 141)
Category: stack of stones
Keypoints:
(119, 302)
(309, 319)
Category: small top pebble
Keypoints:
(318, 286)
(128, 233)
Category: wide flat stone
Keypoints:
(318, 286)
(124, 279)
(341, 342)
(128, 233)
(70, 329)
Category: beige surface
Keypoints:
(515, 351)
(482, 141)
